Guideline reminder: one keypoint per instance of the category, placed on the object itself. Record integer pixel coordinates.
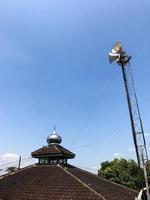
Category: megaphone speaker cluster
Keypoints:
(119, 55)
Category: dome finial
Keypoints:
(54, 129)
(54, 137)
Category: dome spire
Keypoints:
(54, 138)
(54, 129)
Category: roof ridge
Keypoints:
(65, 148)
(62, 148)
(55, 146)
(39, 149)
(106, 179)
(84, 184)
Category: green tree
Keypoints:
(11, 169)
(122, 171)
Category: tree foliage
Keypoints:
(11, 169)
(122, 171)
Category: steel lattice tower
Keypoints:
(117, 54)
(135, 116)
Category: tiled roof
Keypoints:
(60, 182)
(108, 189)
(52, 150)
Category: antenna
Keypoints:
(119, 55)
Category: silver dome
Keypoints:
(54, 137)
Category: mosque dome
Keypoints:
(54, 138)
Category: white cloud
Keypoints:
(11, 159)
(132, 149)
(14, 158)
(6, 160)
(8, 157)
(117, 155)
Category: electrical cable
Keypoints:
(103, 137)
(88, 168)
(13, 162)
(94, 108)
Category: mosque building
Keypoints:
(53, 178)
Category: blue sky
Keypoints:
(54, 69)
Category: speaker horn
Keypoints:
(117, 48)
(113, 57)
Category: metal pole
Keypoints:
(130, 113)
(19, 163)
